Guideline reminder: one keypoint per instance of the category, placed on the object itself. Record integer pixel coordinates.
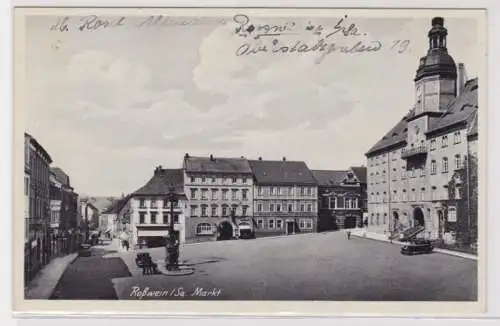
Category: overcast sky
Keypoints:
(111, 104)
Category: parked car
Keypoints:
(417, 247)
(247, 234)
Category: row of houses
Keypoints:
(218, 197)
(50, 208)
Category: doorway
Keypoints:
(395, 218)
(418, 217)
(225, 231)
(290, 227)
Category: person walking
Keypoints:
(348, 235)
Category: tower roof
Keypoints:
(437, 62)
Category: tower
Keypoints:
(436, 77)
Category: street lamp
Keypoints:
(172, 247)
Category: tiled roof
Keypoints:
(282, 172)
(117, 205)
(472, 124)
(329, 177)
(459, 111)
(162, 181)
(217, 165)
(360, 172)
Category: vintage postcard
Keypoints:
(250, 161)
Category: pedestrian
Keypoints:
(126, 245)
(348, 235)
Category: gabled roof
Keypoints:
(282, 172)
(360, 173)
(460, 110)
(216, 165)
(162, 182)
(117, 205)
(329, 177)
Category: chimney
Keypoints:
(211, 157)
(260, 158)
(460, 79)
(284, 159)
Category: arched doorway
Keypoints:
(225, 231)
(418, 217)
(395, 221)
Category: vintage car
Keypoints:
(417, 247)
(246, 232)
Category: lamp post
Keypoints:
(172, 247)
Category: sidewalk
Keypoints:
(42, 286)
(361, 233)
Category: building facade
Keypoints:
(285, 197)
(410, 169)
(219, 197)
(341, 198)
(68, 212)
(148, 212)
(55, 202)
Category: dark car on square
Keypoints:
(417, 247)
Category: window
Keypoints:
(215, 194)
(405, 196)
(214, 210)
(214, 179)
(457, 192)
(333, 202)
(273, 191)
(457, 137)
(235, 180)
(395, 195)
(302, 223)
(301, 207)
(348, 203)
(194, 211)
(458, 162)
(204, 194)
(271, 224)
(302, 191)
(452, 214)
(433, 145)
(193, 193)
(422, 171)
(204, 228)
(224, 194)
(279, 224)
(26, 186)
(244, 194)
(153, 217)
(309, 207)
(234, 193)
(259, 191)
(433, 167)
(244, 211)
(142, 218)
(290, 207)
(278, 207)
(193, 179)
(224, 210)
(445, 165)
(142, 203)
(260, 224)
(259, 207)
(204, 211)
(244, 180)
(290, 191)
(444, 141)
(176, 218)
(203, 179)
(271, 207)
(422, 194)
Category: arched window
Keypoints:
(204, 228)
(433, 167)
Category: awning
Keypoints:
(152, 233)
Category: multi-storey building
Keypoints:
(285, 197)
(27, 186)
(219, 197)
(148, 211)
(341, 198)
(88, 215)
(410, 169)
(64, 213)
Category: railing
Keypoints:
(412, 151)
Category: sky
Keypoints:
(110, 104)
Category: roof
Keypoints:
(329, 177)
(460, 110)
(116, 207)
(282, 172)
(60, 175)
(162, 182)
(217, 165)
(472, 124)
(100, 203)
(360, 172)
(39, 147)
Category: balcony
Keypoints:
(414, 151)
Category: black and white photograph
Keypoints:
(250, 155)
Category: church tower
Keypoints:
(436, 78)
